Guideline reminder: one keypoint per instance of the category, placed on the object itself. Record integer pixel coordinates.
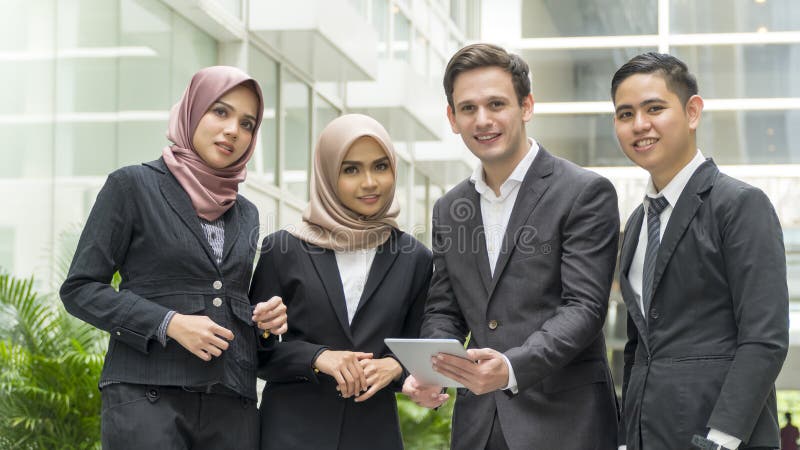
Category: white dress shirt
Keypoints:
(672, 191)
(353, 269)
(496, 212)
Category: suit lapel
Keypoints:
(533, 186)
(385, 256)
(682, 215)
(324, 262)
(473, 234)
(233, 220)
(630, 241)
(179, 201)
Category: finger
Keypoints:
(464, 364)
(366, 395)
(282, 329)
(362, 355)
(349, 381)
(477, 354)
(450, 373)
(218, 343)
(202, 355)
(222, 332)
(362, 377)
(213, 351)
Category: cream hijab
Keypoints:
(326, 221)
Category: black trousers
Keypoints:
(170, 417)
(496, 439)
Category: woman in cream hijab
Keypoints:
(349, 278)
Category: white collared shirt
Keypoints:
(672, 192)
(496, 209)
(353, 269)
(496, 212)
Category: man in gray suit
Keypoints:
(524, 256)
(703, 279)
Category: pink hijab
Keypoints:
(212, 191)
(326, 221)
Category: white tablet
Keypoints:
(416, 354)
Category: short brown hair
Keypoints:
(476, 56)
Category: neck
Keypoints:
(495, 173)
(662, 179)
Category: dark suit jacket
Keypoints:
(301, 409)
(544, 308)
(717, 328)
(143, 224)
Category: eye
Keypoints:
(349, 170)
(382, 166)
(248, 125)
(655, 108)
(220, 111)
(496, 104)
(467, 108)
(624, 115)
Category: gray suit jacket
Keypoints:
(716, 333)
(544, 308)
(143, 224)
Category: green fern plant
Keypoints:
(51, 363)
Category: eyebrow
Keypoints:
(643, 103)
(247, 116)
(491, 98)
(359, 163)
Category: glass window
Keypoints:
(6, 249)
(742, 71)
(265, 70)
(585, 139)
(234, 7)
(290, 216)
(402, 192)
(297, 132)
(420, 56)
(733, 16)
(325, 112)
(558, 18)
(380, 21)
(750, 137)
(421, 218)
(402, 35)
(575, 75)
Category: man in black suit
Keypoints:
(524, 256)
(703, 276)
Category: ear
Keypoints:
(694, 109)
(451, 116)
(527, 108)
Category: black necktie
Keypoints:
(654, 208)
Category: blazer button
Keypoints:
(492, 324)
(653, 313)
(217, 285)
(217, 302)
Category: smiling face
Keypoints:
(366, 180)
(489, 117)
(225, 131)
(654, 129)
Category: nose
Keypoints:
(483, 118)
(231, 129)
(641, 123)
(369, 181)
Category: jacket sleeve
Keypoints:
(755, 267)
(590, 236)
(291, 360)
(629, 355)
(443, 318)
(102, 248)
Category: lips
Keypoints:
(225, 146)
(644, 144)
(369, 199)
(487, 137)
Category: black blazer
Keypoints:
(717, 328)
(544, 307)
(301, 409)
(143, 224)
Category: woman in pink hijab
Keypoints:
(184, 336)
(350, 278)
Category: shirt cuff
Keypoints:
(623, 447)
(512, 379)
(723, 439)
(162, 329)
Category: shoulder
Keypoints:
(409, 245)
(282, 242)
(249, 210)
(570, 173)
(135, 178)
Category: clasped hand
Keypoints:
(356, 373)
